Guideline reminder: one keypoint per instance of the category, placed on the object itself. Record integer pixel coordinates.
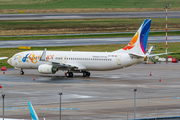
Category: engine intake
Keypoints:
(47, 69)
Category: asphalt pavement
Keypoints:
(84, 41)
(160, 14)
(105, 95)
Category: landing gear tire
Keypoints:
(86, 74)
(69, 74)
(22, 72)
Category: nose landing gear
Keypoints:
(22, 72)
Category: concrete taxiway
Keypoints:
(105, 95)
(160, 14)
(85, 41)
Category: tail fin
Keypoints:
(139, 41)
(32, 111)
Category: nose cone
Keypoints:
(9, 61)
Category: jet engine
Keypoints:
(47, 69)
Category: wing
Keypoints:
(61, 65)
(1, 58)
(67, 65)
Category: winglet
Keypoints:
(32, 112)
(43, 56)
(148, 53)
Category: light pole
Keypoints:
(3, 95)
(60, 107)
(134, 102)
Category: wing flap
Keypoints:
(69, 65)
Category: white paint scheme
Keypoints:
(84, 61)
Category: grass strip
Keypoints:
(71, 4)
(35, 27)
(86, 36)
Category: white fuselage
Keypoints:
(92, 61)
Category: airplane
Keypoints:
(49, 62)
(33, 113)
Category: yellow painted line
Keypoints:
(21, 11)
(24, 47)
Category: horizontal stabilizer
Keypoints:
(152, 55)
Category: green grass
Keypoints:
(160, 48)
(85, 26)
(78, 24)
(60, 4)
(86, 36)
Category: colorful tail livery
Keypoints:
(32, 112)
(139, 41)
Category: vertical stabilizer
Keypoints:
(32, 112)
(139, 41)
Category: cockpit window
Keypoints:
(15, 56)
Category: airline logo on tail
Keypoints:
(140, 38)
(132, 42)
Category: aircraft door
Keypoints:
(118, 60)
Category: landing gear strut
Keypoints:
(69, 74)
(86, 74)
(21, 71)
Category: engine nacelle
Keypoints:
(47, 69)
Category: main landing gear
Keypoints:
(69, 74)
(86, 74)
